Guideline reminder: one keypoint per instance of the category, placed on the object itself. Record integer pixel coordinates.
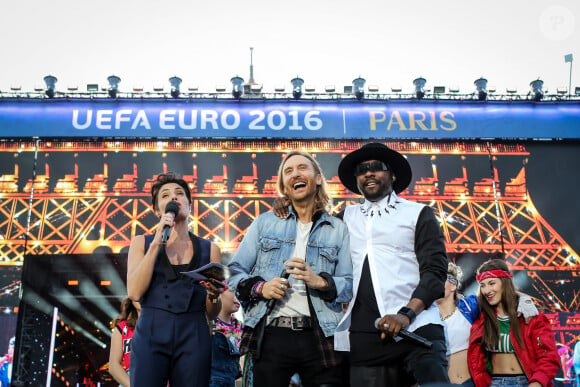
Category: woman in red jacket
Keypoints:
(120, 351)
(504, 350)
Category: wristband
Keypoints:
(410, 313)
(257, 288)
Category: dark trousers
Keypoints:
(170, 347)
(398, 363)
(285, 352)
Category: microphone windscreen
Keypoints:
(172, 207)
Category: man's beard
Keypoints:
(383, 190)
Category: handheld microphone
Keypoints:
(272, 302)
(172, 207)
(409, 336)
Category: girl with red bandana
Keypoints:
(504, 350)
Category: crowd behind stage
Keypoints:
(365, 297)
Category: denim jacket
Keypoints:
(225, 362)
(270, 242)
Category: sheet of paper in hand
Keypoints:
(211, 271)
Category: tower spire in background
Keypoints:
(251, 80)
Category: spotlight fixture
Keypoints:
(237, 86)
(256, 88)
(50, 82)
(113, 85)
(438, 89)
(297, 87)
(537, 93)
(358, 87)
(481, 88)
(175, 81)
(419, 87)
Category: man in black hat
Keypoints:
(399, 269)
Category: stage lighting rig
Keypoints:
(419, 87)
(50, 82)
(438, 89)
(297, 84)
(537, 92)
(481, 88)
(113, 85)
(358, 87)
(237, 86)
(175, 82)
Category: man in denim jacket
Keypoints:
(293, 276)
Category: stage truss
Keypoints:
(72, 215)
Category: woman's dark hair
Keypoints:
(166, 178)
(128, 313)
(509, 302)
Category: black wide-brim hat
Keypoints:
(396, 162)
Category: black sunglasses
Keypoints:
(374, 166)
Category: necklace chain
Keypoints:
(443, 318)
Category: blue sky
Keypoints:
(389, 43)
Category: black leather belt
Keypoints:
(294, 323)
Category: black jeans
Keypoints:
(286, 352)
(400, 363)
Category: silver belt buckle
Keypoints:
(293, 321)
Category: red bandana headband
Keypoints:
(493, 274)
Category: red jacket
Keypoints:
(538, 356)
(126, 335)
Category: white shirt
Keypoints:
(295, 301)
(457, 330)
(385, 232)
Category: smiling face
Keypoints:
(491, 289)
(374, 184)
(300, 180)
